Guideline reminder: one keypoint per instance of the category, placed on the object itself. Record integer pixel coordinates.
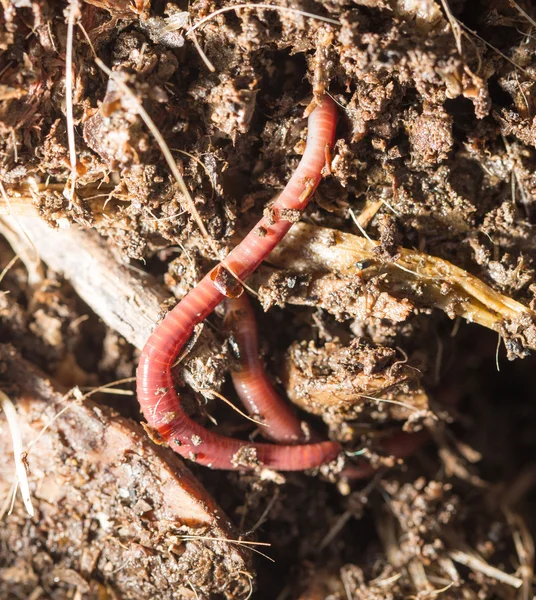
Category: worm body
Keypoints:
(400, 445)
(252, 383)
(255, 247)
(280, 423)
(157, 396)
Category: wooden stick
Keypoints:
(128, 300)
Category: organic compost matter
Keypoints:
(141, 142)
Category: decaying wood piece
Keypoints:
(94, 204)
(128, 300)
(126, 513)
(423, 279)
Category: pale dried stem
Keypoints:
(523, 12)
(311, 249)
(479, 565)
(524, 544)
(22, 200)
(262, 5)
(368, 213)
(73, 14)
(16, 438)
(164, 148)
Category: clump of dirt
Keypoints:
(331, 380)
(434, 159)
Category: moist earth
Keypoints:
(435, 154)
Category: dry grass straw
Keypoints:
(72, 15)
(21, 480)
(261, 5)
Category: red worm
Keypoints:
(280, 423)
(399, 445)
(252, 383)
(156, 394)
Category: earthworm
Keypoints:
(156, 394)
(251, 381)
(280, 423)
(400, 445)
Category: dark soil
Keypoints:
(435, 152)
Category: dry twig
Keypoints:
(261, 5)
(425, 279)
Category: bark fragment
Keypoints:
(127, 515)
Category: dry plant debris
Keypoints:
(327, 255)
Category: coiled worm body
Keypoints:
(252, 383)
(158, 399)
